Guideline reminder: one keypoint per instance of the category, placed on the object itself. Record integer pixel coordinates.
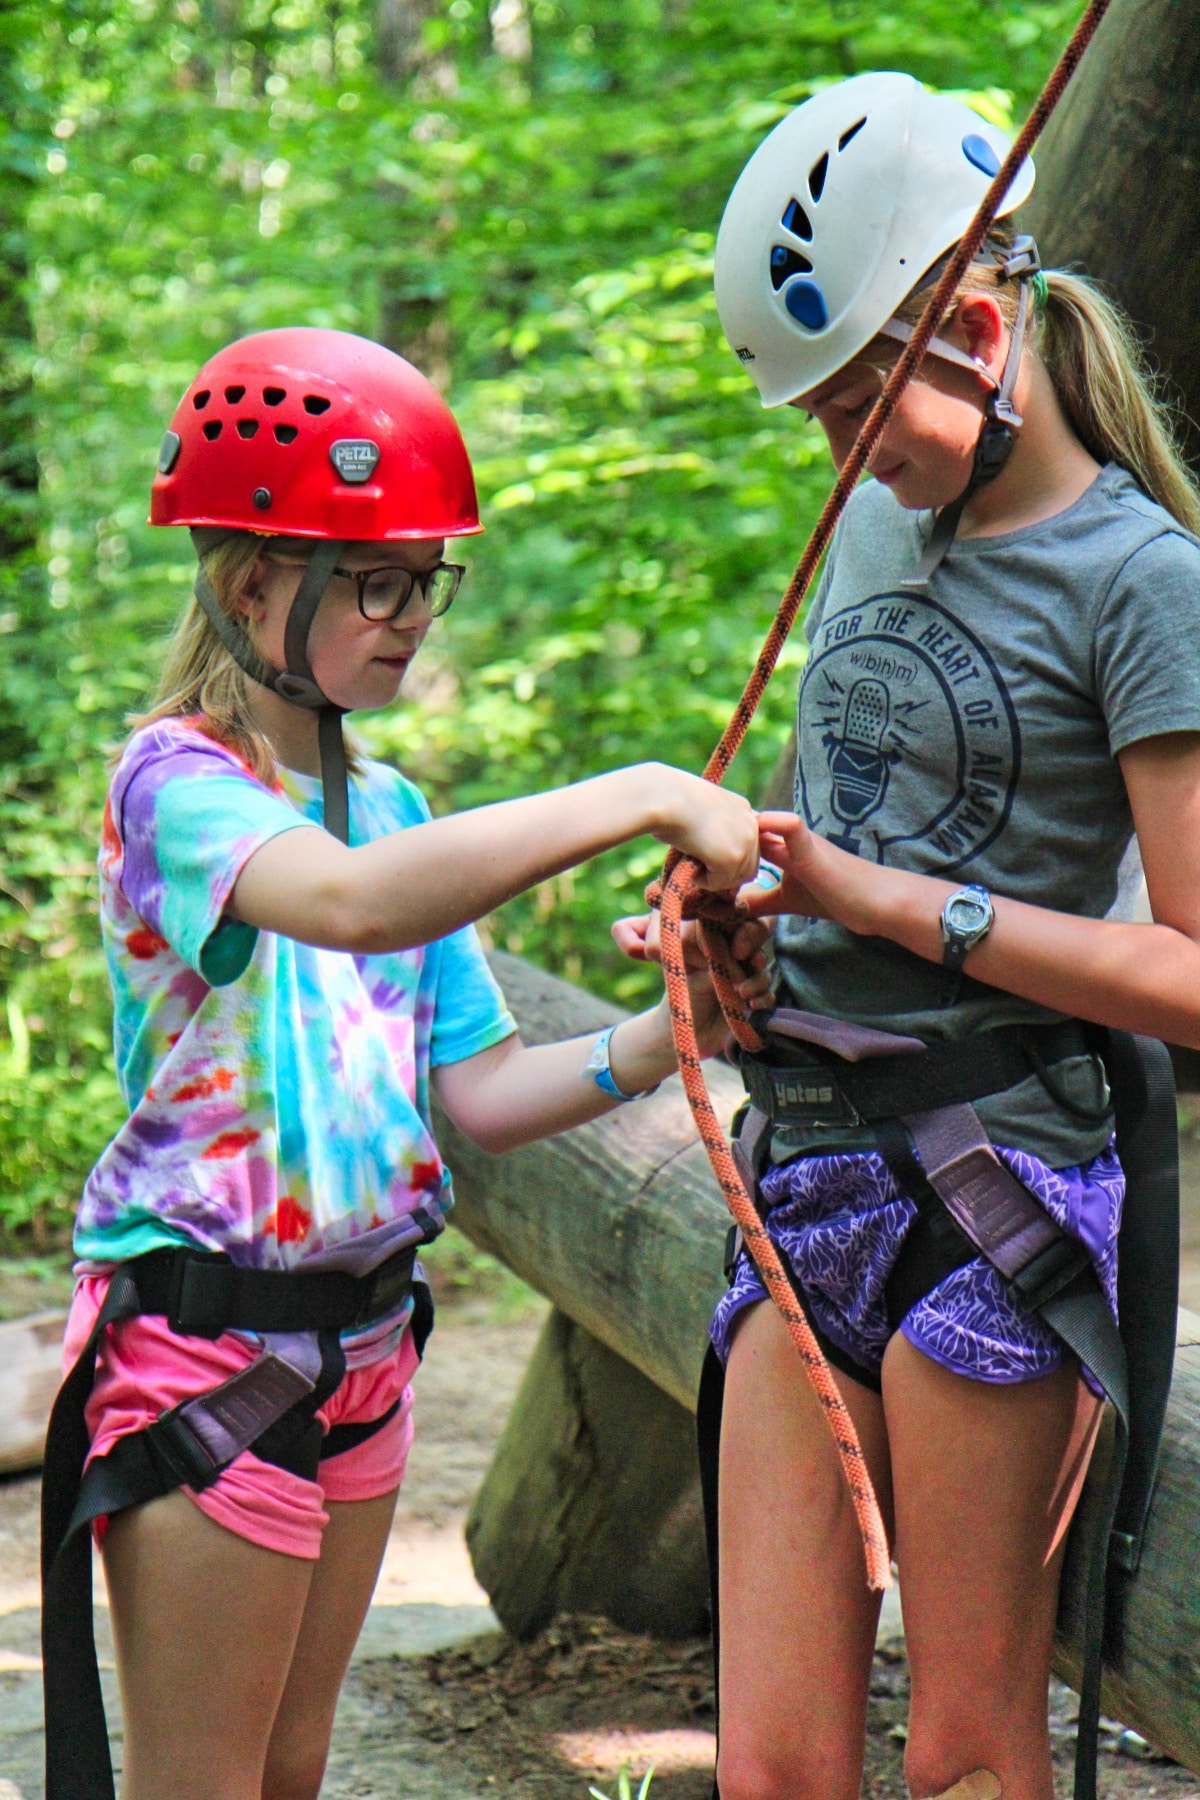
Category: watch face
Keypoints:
(967, 914)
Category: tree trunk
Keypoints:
(592, 1501)
(1118, 188)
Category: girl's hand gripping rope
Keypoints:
(640, 939)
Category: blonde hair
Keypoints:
(199, 675)
(1099, 374)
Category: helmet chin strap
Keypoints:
(294, 684)
(1001, 420)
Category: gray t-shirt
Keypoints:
(968, 727)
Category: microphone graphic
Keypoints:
(858, 764)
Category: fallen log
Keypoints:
(30, 1371)
(621, 1225)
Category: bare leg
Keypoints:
(205, 1624)
(986, 1480)
(342, 1584)
(797, 1619)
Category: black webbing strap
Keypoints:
(78, 1765)
(811, 1086)
(202, 1293)
(295, 683)
(340, 1438)
(335, 780)
(710, 1405)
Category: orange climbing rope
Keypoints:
(679, 897)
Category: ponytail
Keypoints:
(1107, 392)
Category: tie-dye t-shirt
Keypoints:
(278, 1094)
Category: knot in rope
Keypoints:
(718, 917)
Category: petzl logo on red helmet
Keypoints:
(354, 459)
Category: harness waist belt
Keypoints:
(202, 1293)
(804, 1087)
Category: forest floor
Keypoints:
(439, 1704)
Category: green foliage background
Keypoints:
(524, 201)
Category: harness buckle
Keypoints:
(200, 1301)
(387, 1287)
(172, 1441)
(1050, 1272)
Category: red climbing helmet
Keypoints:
(309, 433)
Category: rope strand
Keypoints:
(678, 896)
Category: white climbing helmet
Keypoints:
(836, 217)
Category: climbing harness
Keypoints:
(963, 1184)
(323, 438)
(917, 1101)
(268, 1407)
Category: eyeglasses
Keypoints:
(384, 593)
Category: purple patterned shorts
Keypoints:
(841, 1220)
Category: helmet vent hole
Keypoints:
(784, 263)
(315, 403)
(796, 219)
(816, 176)
(201, 400)
(234, 394)
(246, 428)
(272, 396)
(286, 434)
(848, 136)
(212, 430)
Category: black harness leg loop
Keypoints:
(78, 1766)
(710, 1405)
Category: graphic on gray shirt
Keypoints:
(968, 727)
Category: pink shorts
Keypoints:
(143, 1368)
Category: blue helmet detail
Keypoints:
(806, 303)
(785, 263)
(978, 151)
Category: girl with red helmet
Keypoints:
(249, 1313)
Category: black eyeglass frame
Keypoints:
(439, 604)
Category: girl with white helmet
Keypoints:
(295, 972)
(1003, 683)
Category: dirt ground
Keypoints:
(480, 1714)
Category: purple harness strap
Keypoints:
(228, 1419)
(998, 1213)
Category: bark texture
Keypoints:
(1118, 188)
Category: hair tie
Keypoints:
(1041, 290)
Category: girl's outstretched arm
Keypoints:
(1134, 977)
(425, 882)
(514, 1092)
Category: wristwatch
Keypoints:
(966, 920)
(599, 1069)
